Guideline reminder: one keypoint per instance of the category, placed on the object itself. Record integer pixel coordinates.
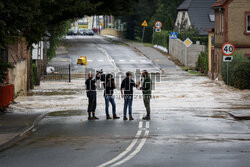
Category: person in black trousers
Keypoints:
(91, 94)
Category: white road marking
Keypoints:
(121, 60)
(89, 60)
(100, 60)
(140, 124)
(132, 60)
(129, 148)
(147, 125)
(138, 149)
(109, 58)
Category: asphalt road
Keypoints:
(175, 137)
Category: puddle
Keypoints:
(67, 113)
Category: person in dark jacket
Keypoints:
(91, 94)
(127, 93)
(109, 86)
(146, 91)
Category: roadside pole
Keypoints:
(227, 74)
(153, 37)
(69, 74)
(144, 24)
(228, 49)
(143, 34)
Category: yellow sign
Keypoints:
(82, 26)
(188, 42)
(101, 24)
(144, 24)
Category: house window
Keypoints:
(211, 17)
(248, 23)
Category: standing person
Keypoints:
(128, 84)
(109, 86)
(91, 94)
(146, 91)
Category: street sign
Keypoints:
(228, 49)
(188, 42)
(158, 25)
(144, 24)
(227, 58)
(157, 30)
(173, 35)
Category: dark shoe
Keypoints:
(125, 118)
(131, 118)
(108, 117)
(146, 118)
(95, 118)
(90, 118)
(115, 117)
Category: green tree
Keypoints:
(33, 18)
(152, 11)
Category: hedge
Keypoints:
(238, 72)
(202, 63)
(161, 38)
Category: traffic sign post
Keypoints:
(158, 24)
(157, 30)
(173, 35)
(144, 24)
(228, 49)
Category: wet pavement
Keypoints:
(190, 126)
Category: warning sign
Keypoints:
(144, 24)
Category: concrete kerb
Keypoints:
(22, 134)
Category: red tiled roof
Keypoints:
(219, 3)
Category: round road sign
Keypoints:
(158, 24)
(228, 49)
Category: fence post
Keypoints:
(69, 74)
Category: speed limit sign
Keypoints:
(228, 49)
(158, 24)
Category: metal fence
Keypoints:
(58, 73)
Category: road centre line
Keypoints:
(138, 149)
(124, 152)
(130, 147)
(147, 125)
(109, 58)
(140, 124)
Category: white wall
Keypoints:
(18, 76)
(187, 56)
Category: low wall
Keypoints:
(113, 32)
(18, 77)
(187, 56)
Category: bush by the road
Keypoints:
(241, 75)
(202, 63)
(238, 72)
(161, 38)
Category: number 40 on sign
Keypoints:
(228, 49)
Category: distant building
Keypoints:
(232, 24)
(197, 14)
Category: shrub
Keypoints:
(241, 75)
(202, 63)
(235, 72)
(161, 38)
